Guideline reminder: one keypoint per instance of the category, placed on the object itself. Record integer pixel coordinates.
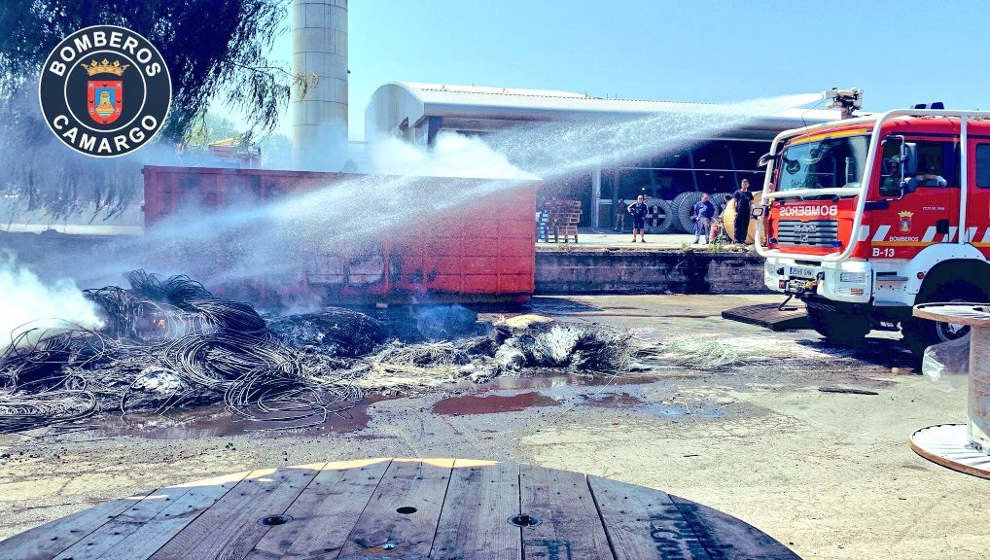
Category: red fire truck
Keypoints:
(865, 217)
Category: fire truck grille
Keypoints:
(813, 233)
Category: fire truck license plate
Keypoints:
(801, 272)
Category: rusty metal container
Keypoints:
(481, 251)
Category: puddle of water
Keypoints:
(625, 397)
(490, 404)
(615, 400)
(626, 400)
(548, 379)
(215, 421)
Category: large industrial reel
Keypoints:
(661, 217)
(719, 200)
(729, 219)
(682, 206)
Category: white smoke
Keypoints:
(26, 302)
(452, 155)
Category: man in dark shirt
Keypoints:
(620, 216)
(744, 206)
(639, 210)
(702, 215)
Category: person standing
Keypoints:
(717, 233)
(702, 215)
(744, 207)
(620, 216)
(639, 210)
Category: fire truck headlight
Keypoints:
(852, 277)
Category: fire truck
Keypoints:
(865, 217)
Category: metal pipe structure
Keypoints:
(318, 102)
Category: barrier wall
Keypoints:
(603, 271)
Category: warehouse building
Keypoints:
(417, 112)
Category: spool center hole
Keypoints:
(524, 520)
(272, 520)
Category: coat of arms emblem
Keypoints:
(905, 220)
(104, 98)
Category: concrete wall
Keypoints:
(647, 272)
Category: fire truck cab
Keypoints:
(865, 217)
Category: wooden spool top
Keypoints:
(971, 314)
(398, 508)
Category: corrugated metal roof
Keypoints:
(446, 96)
(428, 89)
(408, 104)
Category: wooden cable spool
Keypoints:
(963, 447)
(729, 218)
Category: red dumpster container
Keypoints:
(480, 251)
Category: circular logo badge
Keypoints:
(105, 91)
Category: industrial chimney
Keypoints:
(319, 49)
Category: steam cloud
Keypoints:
(453, 155)
(26, 302)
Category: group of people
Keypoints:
(705, 215)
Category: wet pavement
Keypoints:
(828, 474)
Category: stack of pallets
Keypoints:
(559, 218)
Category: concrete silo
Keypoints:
(319, 48)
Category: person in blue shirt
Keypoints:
(929, 179)
(702, 215)
(639, 210)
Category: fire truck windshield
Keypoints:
(829, 163)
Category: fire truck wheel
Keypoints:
(922, 333)
(837, 325)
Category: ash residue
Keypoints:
(171, 343)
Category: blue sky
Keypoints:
(900, 53)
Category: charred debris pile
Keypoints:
(170, 343)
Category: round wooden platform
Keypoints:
(398, 508)
(949, 446)
(968, 314)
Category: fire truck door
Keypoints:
(978, 195)
(928, 211)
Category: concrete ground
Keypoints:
(828, 474)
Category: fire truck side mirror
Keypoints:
(764, 160)
(897, 168)
(892, 172)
